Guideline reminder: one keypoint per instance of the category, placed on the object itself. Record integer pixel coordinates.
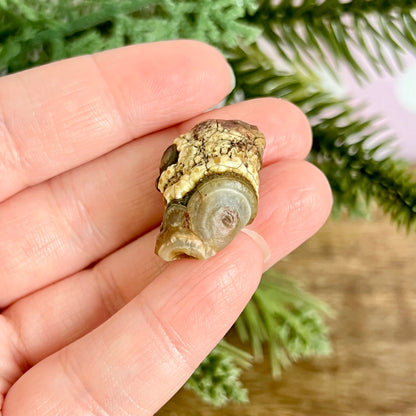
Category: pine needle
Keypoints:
(354, 153)
(34, 32)
(217, 379)
(350, 31)
(286, 319)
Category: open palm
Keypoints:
(93, 322)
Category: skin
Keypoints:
(92, 322)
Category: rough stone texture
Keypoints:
(212, 147)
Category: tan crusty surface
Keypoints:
(213, 147)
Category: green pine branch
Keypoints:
(352, 152)
(36, 32)
(280, 317)
(217, 379)
(356, 174)
(287, 320)
(377, 30)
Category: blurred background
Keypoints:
(393, 97)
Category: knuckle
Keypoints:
(79, 385)
(73, 212)
(170, 340)
(110, 293)
(11, 155)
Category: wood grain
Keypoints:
(366, 271)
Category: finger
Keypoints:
(61, 226)
(295, 200)
(61, 115)
(153, 344)
(139, 358)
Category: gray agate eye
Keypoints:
(217, 210)
(212, 191)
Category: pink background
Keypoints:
(393, 97)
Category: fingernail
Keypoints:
(260, 241)
(232, 78)
(232, 86)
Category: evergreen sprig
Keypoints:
(286, 319)
(353, 152)
(280, 317)
(35, 32)
(356, 174)
(378, 30)
(217, 379)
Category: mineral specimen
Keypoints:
(209, 179)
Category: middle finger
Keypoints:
(61, 226)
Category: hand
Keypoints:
(93, 322)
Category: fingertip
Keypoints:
(295, 201)
(186, 76)
(311, 195)
(324, 200)
(281, 117)
(218, 62)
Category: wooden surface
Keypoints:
(367, 272)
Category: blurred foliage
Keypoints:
(354, 153)
(34, 32)
(282, 318)
(331, 31)
(217, 379)
(286, 319)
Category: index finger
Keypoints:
(64, 114)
